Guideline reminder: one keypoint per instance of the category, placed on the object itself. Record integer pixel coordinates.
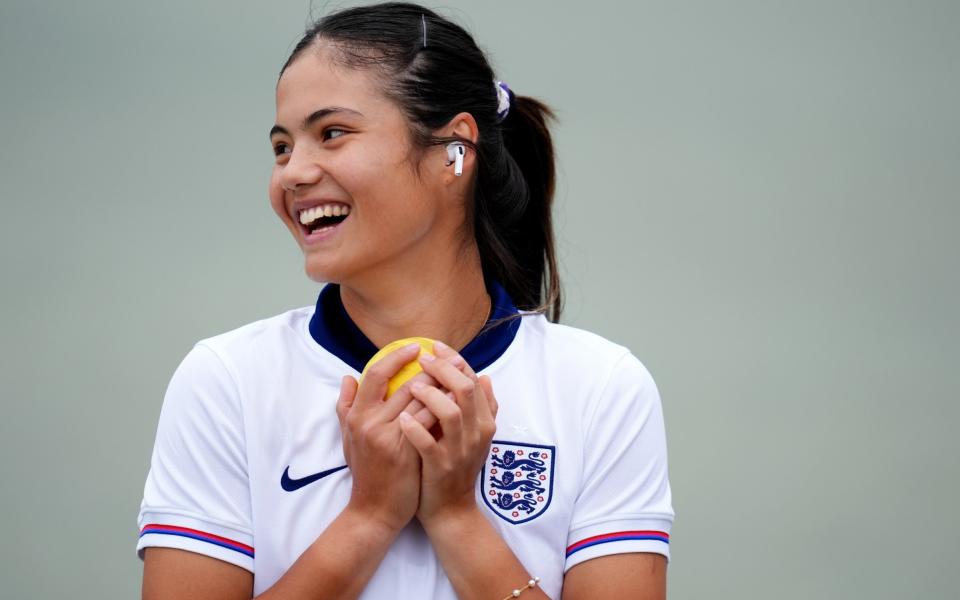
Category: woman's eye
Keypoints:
(280, 148)
(332, 133)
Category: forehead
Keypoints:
(315, 80)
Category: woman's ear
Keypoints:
(464, 127)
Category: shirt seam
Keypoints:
(622, 517)
(166, 510)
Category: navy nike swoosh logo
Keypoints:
(292, 485)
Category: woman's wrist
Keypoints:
(342, 559)
(378, 524)
(452, 520)
(486, 567)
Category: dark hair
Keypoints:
(433, 70)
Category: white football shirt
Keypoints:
(248, 465)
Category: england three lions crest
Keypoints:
(517, 480)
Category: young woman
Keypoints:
(526, 460)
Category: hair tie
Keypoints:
(503, 100)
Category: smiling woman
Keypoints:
(420, 189)
(340, 141)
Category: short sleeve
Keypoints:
(624, 503)
(197, 494)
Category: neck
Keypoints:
(446, 302)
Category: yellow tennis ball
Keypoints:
(408, 370)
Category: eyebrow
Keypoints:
(314, 117)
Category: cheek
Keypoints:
(276, 194)
(358, 174)
(387, 182)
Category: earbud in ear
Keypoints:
(455, 153)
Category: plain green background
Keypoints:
(760, 198)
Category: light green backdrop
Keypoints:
(760, 198)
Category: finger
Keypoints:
(446, 411)
(492, 405)
(374, 387)
(424, 416)
(413, 408)
(453, 357)
(462, 387)
(418, 436)
(456, 359)
(402, 398)
(348, 392)
(444, 351)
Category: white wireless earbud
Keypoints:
(455, 153)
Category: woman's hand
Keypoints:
(385, 467)
(466, 414)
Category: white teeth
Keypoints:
(310, 215)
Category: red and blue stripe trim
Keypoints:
(618, 536)
(198, 535)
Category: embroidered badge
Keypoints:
(517, 480)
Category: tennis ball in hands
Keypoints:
(408, 370)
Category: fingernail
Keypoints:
(458, 361)
(427, 357)
(417, 386)
(405, 418)
(409, 347)
(440, 345)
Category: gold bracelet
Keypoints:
(530, 584)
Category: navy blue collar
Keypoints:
(332, 328)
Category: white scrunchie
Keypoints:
(503, 100)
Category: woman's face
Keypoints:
(343, 151)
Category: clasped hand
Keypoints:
(420, 451)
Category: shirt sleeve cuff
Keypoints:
(183, 531)
(617, 537)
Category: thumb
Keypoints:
(492, 403)
(348, 391)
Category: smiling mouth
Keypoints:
(325, 216)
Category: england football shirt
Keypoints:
(248, 465)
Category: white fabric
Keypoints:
(246, 405)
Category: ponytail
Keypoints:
(514, 224)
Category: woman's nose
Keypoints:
(301, 169)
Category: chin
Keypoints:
(322, 272)
(319, 275)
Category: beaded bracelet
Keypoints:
(530, 584)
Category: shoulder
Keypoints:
(276, 335)
(217, 366)
(581, 350)
(609, 384)
(291, 323)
